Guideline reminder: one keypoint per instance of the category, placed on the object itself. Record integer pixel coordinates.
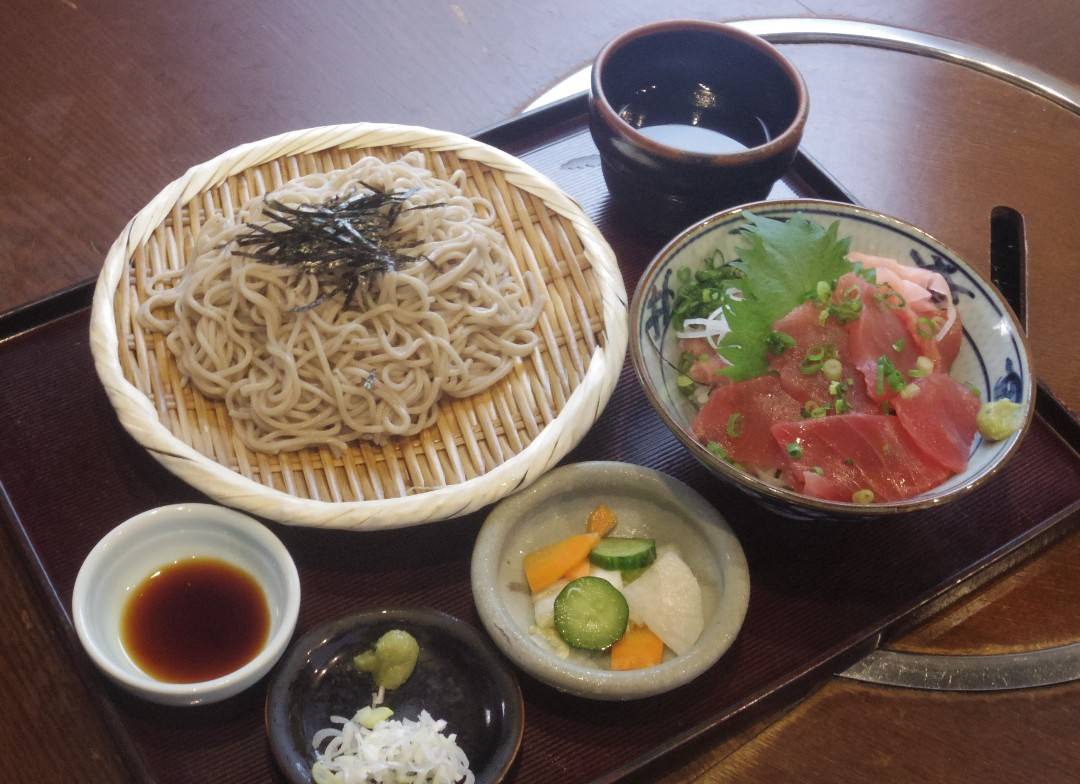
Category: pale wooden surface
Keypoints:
(104, 103)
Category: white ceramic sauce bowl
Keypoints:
(133, 550)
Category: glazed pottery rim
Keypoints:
(164, 523)
(506, 752)
(785, 140)
(841, 509)
(722, 627)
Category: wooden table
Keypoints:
(105, 103)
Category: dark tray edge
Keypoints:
(128, 752)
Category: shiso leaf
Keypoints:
(782, 262)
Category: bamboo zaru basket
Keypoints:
(479, 450)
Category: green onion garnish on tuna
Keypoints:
(782, 262)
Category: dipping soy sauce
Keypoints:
(195, 620)
(694, 117)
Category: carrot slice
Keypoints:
(601, 521)
(577, 570)
(638, 648)
(546, 565)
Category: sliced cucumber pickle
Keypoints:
(623, 554)
(590, 613)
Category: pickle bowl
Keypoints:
(647, 503)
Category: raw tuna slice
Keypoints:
(949, 346)
(877, 332)
(803, 325)
(707, 363)
(756, 406)
(857, 452)
(940, 420)
(924, 290)
(821, 487)
(926, 294)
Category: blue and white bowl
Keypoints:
(994, 356)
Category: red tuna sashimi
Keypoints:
(858, 452)
(821, 487)
(759, 404)
(949, 345)
(875, 333)
(804, 326)
(922, 289)
(926, 294)
(707, 363)
(940, 419)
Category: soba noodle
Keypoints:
(453, 323)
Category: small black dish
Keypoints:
(458, 678)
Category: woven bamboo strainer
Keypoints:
(480, 449)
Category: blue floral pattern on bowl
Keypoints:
(993, 356)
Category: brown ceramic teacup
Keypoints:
(691, 117)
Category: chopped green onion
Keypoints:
(700, 292)
(863, 496)
(840, 406)
(779, 342)
(848, 309)
(824, 291)
(898, 346)
(832, 369)
(810, 368)
(925, 364)
(887, 373)
(718, 450)
(684, 382)
(925, 327)
(818, 470)
(910, 391)
(892, 298)
(734, 424)
(837, 388)
(794, 450)
(973, 389)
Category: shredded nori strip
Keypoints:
(347, 242)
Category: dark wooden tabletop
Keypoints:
(106, 102)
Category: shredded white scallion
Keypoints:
(713, 327)
(936, 285)
(393, 752)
